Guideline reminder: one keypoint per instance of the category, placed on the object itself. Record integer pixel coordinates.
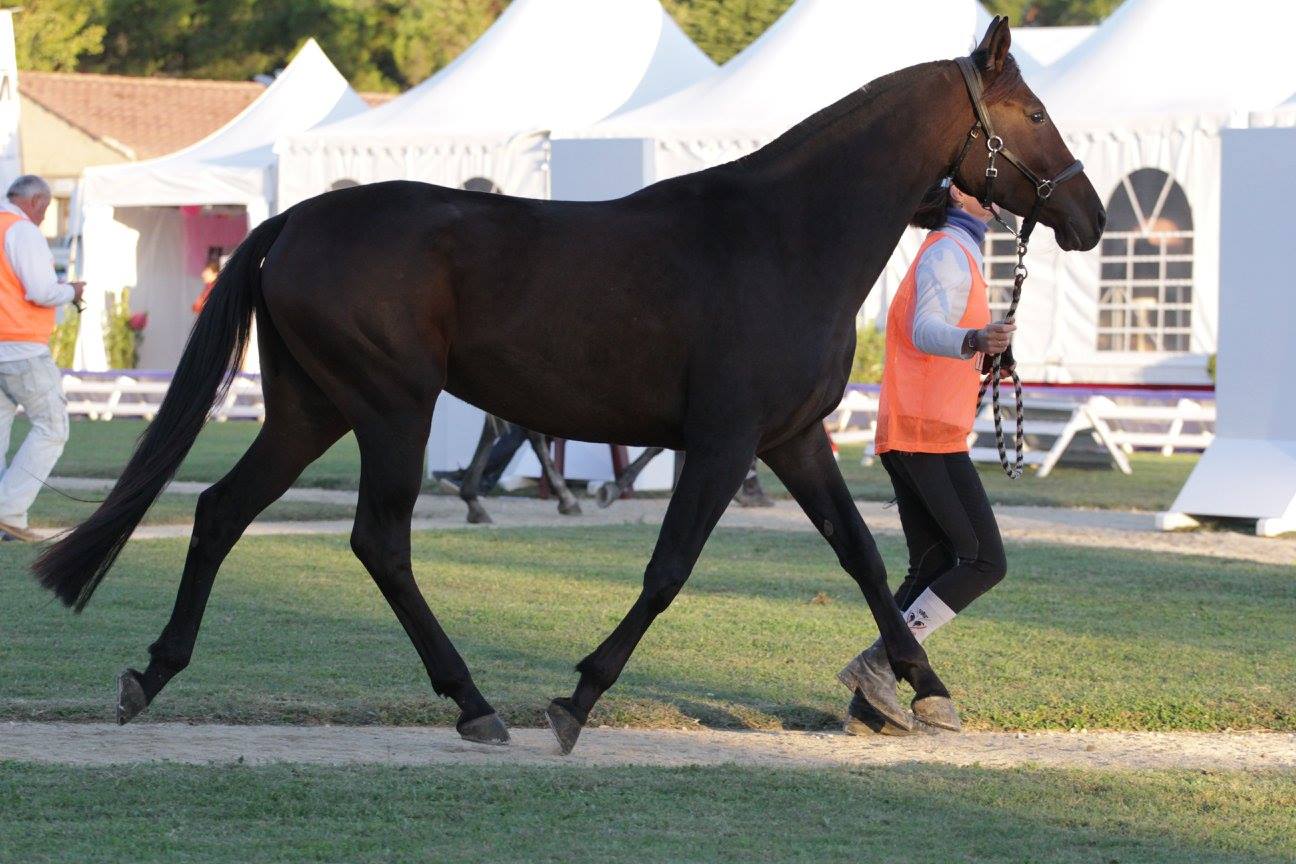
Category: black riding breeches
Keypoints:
(953, 539)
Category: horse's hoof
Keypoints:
(938, 711)
(570, 508)
(870, 674)
(564, 724)
(489, 729)
(477, 514)
(607, 493)
(130, 696)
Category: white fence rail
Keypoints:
(1059, 427)
(107, 397)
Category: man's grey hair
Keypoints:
(28, 186)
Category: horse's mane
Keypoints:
(848, 106)
(865, 97)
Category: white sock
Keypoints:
(927, 614)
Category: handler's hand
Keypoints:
(78, 290)
(995, 338)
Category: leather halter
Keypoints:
(995, 147)
(1043, 190)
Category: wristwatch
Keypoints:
(970, 342)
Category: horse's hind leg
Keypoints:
(300, 425)
(567, 503)
(610, 492)
(808, 470)
(471, 488)
(391, 458)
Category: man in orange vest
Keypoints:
(30, 291)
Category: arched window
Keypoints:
(1145, 285)
(344, 183)
(480, 184)
(1000, 251)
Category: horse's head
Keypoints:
(1032, 145)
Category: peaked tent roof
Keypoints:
(1047, 45)
(1163, 57)
(815, 53)
(545, 64)
(232, 164)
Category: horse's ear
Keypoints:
(993, 50)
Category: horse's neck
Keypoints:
(846, 190)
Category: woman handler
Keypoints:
(938, 328)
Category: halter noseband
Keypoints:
(995, 148)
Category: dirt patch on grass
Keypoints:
(104, 744)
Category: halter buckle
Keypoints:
(1045, 189)
(992, 172)
(994, 144)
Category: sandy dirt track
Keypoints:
(106, 744)
(1108, 529)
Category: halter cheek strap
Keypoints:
(996, 148)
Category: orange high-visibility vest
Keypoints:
(20, 319)
(928, 403)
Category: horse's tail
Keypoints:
(74, 566)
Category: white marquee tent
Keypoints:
(544, 64)
(1046, 45)
(1142, 102)
(149, 225)
(816, 53)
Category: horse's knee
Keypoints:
(214, 531)
(662, 587)
(366, 547)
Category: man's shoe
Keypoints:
(863, 719)
(12, 533)
(870, 674)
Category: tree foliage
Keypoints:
(56, 35)
(1053, 13)
(378, 44)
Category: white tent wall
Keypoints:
(1132, 96)
(161, 286)
(122, 205)
(543, 64)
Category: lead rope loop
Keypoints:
(1013, 469)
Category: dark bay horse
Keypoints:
(712, 313)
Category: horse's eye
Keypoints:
(1037, 117)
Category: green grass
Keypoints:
(55, 511)
(926, 814)
(99, 449)
(297, 632)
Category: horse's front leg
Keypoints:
(806, 467)
(712, 472)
